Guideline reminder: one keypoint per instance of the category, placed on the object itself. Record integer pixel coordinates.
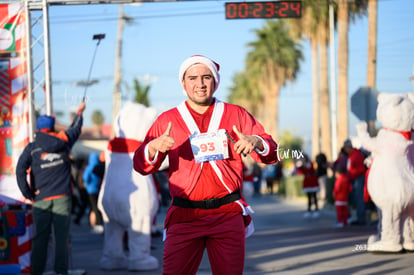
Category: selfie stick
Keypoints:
(98, 37)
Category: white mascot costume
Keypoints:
(391, 176)
(128, 200)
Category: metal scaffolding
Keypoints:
(38, 47)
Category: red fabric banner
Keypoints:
(15, 220)
(14, 106)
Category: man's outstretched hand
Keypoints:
(246, 144)
(81, 107)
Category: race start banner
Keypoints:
(16, 226)
(14, 105)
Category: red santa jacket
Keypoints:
(356, 166)
(342, 188)
(184, 172)
(310, 180)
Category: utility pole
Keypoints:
(372, 52)
(118, 57)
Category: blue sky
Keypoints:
(164, 34)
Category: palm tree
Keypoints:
(315, 20)
(347, 11)
(97, 120)
(314, 26)
(372, 51)
(273, 60)
(141, 93)
(343, 27)
(372, 43)
(325, 114)
(245, 93)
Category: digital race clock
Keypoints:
(270, 9)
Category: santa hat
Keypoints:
(45, 123)
(199, 59)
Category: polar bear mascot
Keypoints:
(128, 200)
(390, 182)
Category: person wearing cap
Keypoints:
(50, 188)
(204, 139)
(356, 173)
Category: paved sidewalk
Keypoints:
(284, 243)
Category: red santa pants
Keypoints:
(342, 213)
(222, 235)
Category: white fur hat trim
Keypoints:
(199, 59)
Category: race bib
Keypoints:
(210, 146)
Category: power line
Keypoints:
(95, 18)
(141, 17)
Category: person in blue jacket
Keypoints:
(50, 188)
(92, 184)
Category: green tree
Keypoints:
(308, 28)
(372, 52)
(288, 140)
(290, 147)
(272, 61)
(347, 12)
(141, 93)
(314, 25)
(244, 93)
(97, 119)
(322, 40)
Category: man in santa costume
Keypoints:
(205, 172)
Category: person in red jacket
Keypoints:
(341, 192)
(310, 185)
(356, 173)
(204, 139)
